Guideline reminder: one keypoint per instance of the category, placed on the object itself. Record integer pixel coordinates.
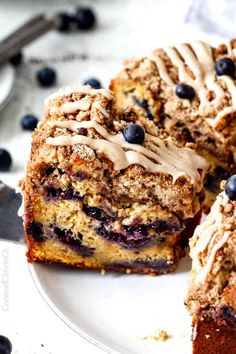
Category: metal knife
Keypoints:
(11, 226)
(25, 34)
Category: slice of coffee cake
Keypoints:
(190, 91)
(106, 190)
(212, 288)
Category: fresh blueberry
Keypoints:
(16, 59)
(65, 22)
(5, 160)
(85, 18)
(96, 84)
(230, 187)
(46, 77)
(29, 122)
(225, 66)
(185, 91)
(134, 134)
(5, 345)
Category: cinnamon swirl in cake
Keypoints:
(212, 288)
(107, 189)
(189, 90)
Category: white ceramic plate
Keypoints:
(7, 76)
(117, 311)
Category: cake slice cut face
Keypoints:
(105, 190)
(212, 288)
(190, 91)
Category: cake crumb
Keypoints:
(103, 272)
(145, 337)
(128, 271)
(160, 335)
(207, 336)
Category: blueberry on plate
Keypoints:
(84, 18)
(29, 122)
(5, 345)
(134, 134)
(64, 22)
(230, 187)
(16, 59)
(225, 66)
(96, 84)
(46, 77)
(5, 161)
(185, 91)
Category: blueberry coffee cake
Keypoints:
(107, 189)
(189, 90)
(212, 289)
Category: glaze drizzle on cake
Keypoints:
(190, 91)
(159, 155)
(212, 283)
(209, 238)
(195, 59)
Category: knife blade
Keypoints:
(11, 226)
(25, 34)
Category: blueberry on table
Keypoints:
(5, 161)
(134, 134)
(29, 122)
(84, 18)
(46, 77)
(225, 66)
(64, 22)
(5, 345)
(16, 59)
(96, 84)
(185, 91)
(230, 187)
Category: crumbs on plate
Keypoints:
(159, 335)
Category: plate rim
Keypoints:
(63, 318)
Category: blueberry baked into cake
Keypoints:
(212, 289)
(107, 189)
(189, 90)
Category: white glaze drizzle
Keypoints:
(101, 108)
(83, 104)
(162, 70)
(208, 239)
(229, 49)
(71, 107)
(197, 57)
(160, 156)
